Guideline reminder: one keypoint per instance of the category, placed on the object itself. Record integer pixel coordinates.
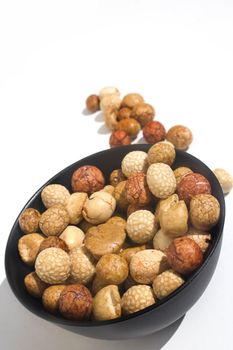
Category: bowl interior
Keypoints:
(107, 161)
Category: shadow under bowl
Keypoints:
(151, 319)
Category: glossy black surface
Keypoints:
(154, 317)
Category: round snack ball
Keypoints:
(130, 126)
(116, 177)
(87, 178)
(174, 220)
(137, 298)
(53, 241)
(141, 226)
(153, 132)
(164, 205)
(120, 196)
(108, 90)
(124, 113)
(75, 302)
(161, 180)
(74, 206)
(180, 136)
(135, 161)
(112, 269)
(161, 240)
(204, 211)
(54, 194)
(54, 220)
(28, 247)
(53, 265)
(119, 138)
(184, 255)
(131, 100)
(200, 237)
(73, 236)
(99, 207)
(225, 179)
(143, 113)
(147, 264)
(192, 184)
(29, 220)
(35, 287)
(137, 190)
(104, 239)
(162, 152)
(181, 172)
(110, 100)
(50, 297)
(166, 283)
(82, 265)
(93, 103)
(107, 304)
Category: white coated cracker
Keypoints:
(141, 226)
(135, 161)
(161, 180)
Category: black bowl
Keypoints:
(152, 318)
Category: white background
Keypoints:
(53, 54)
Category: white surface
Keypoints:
(53, 54)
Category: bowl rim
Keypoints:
(159, 303)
